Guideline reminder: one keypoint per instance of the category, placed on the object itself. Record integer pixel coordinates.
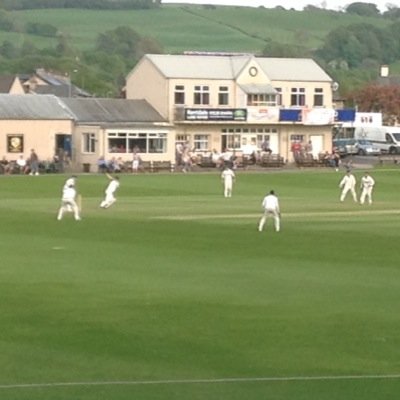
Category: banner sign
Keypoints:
(215, 114)
(345, 115)
(263, 114)
(290, 115)
(318, 116)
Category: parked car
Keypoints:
(366, 148)
(345, 147)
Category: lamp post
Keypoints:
(70, 83)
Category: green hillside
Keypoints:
(86, 40)
(191, 27)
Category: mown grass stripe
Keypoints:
(204, 381)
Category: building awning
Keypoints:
(254, 88)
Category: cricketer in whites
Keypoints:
(367, 185)
(109, 192)
(348, 183)
(271, 207)
(228, 177)
(68, 200)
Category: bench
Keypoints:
(273, 160)
(156, 166)
(305, 160)
(309, 161)
(49, 167)
(148, 166)
(206, 162)
(248, 160)
(389, 159)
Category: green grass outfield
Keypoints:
(173, 293)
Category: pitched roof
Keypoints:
(32, 107)
(96, 110)
(83, 110)
(59, 85)
(64, 90)
(6, 82)
(196, 66)
(229, 67)
(293, 69)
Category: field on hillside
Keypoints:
(172, 293)
(192, 27)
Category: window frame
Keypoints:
(179, 95)
(318, 97)
(201, 142)
(201, 95)
(146, 142)
(223, 95)
(298, 97)
(89, 142)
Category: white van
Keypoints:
(386, 138)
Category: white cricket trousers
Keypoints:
(228, 189)
(344, 193)
(366, 194)
(68, 205)
(108, 201)
(270, 213)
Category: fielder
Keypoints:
(228, 177)
(271, 209)
(348, 183)
(367, 185)
(70, 182)
(68, 203)
(110, 190)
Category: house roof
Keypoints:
(230, 66)
(52, 83)
(293, 69)
(195, 66)
(96, 110)
(6, 82)
(59, 91)
(32, 107)
(82, 110)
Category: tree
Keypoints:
(127, 44)
(392, 12)
(28, 48)
(393, 31)
(275, 49)
(6, 23)
(359, 42)
(122, 41)
(149, 45)
(363, 9)
(36, 28)
(378, 98)
(8, 49)
(63, 48)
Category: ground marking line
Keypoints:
(203, 381)
(285, 215)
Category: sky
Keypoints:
(288, 4)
